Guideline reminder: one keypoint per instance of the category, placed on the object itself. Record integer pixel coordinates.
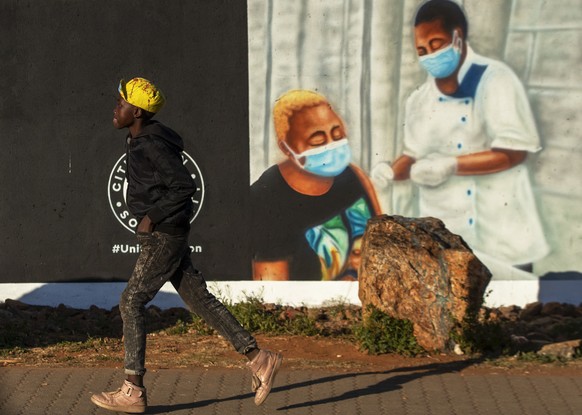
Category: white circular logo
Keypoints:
(117, 191)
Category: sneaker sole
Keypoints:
(271, 379)
(127, 409)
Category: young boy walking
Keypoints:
(159, 195)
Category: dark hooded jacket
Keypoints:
(159, 185)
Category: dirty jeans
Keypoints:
(166, 257)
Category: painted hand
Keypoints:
(433, 170)
(382, 175)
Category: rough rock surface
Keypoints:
(416, 269)
(552, 329)
(565, 350)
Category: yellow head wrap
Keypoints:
(143, 94)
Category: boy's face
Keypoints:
(123, 114)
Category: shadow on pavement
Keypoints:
(395, 379)
(391, 383)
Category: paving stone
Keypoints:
(413, 391)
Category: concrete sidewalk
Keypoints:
(431, 389)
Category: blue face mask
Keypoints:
(329, 160)
(444, 62)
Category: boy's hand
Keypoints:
(146, 225)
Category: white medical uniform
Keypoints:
(494, 213)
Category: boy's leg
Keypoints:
(160, 256)
(191, 286)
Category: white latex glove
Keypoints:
(433, 170)
(382, 175)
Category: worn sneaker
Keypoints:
(129, 398)
(264, 366)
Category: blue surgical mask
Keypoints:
(444, 62)
(329, 160)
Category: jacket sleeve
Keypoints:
(174, 175)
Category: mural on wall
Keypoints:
(467, 133)
(447, 106)
(310, 210)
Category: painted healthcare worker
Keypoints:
(468, 131)
(309, 211)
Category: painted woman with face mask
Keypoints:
(310, 210)
(468, 130)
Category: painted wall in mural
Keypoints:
(475, 124)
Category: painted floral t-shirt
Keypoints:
(318, 235)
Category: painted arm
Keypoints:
(401, 167)
(369, 188)
(271, 270)
(487, 162)
(483, 162)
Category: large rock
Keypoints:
(416, 269)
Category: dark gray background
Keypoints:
(60, 63)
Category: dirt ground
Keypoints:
(62, 337)
(300, 352)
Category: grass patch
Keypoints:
(482, 337)
(180, 328)
(532, 357)
(13, 352)
(92, 343)
(302, 325)
(257, 317)
(379, 333)
(199, 326)
(254, 317)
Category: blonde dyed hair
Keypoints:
(291, 102)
